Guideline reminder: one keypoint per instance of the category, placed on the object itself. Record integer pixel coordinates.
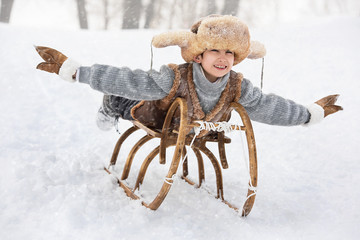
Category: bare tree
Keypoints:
(132, 12)
(106, 13)
(149, 13)
(211, 7)
(82, 14)
(188, 11)
(231, 7)
(172, 9)
(5, 12)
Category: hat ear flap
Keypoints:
(257, 50)
(178, 38)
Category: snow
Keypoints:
(52, 182)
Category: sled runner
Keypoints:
(179, 136)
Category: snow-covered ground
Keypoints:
(52, 182)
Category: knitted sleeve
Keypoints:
(270, 108)
(131, 84)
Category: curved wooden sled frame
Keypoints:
(180, 138)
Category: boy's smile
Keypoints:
(216, 63)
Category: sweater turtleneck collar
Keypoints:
(203, 83)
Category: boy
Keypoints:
(206, 81)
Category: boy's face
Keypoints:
(216, 63)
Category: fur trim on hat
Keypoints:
(257, 50)
(213, 32)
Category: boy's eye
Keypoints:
(229, 52)
(214, 50)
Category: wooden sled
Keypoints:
(179, 138)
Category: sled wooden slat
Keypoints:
(149, 131)
(127, 190)
(132, 153)
(221, 146)
(179, 137)
(201, 170)
(124, 136)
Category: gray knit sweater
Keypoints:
(154, 85)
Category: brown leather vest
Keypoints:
(152, 113)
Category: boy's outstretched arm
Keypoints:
(56, 62)
(275, 110)
(131, 84)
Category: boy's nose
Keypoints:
(222, 57)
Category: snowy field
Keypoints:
(52, 182)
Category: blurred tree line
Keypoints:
(134, 14)
(153, 13)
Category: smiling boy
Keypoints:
(213, 46)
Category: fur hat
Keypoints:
(213, 32)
